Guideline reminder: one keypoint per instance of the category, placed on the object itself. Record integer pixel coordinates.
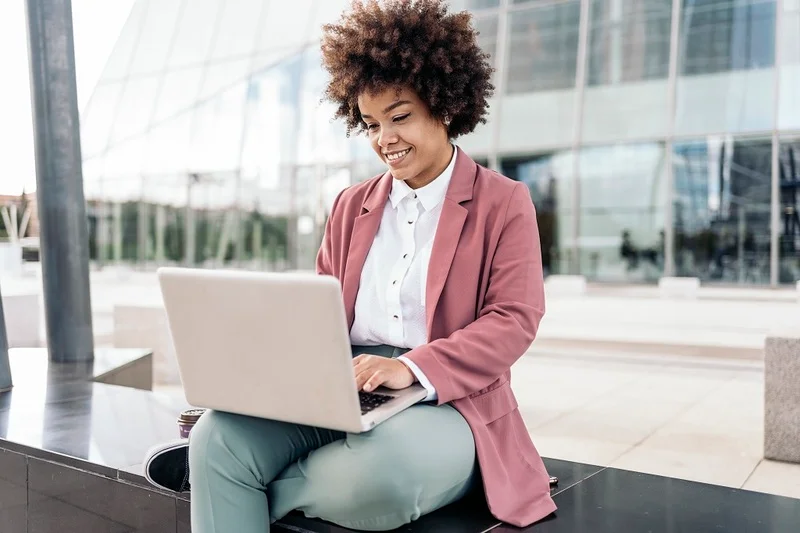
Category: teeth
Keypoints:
(398, 155)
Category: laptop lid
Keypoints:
(270, 345)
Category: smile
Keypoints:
(397, 156)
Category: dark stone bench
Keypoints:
(71, 445)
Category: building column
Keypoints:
(161, 226)
(64, 234)
(116, 228)
(5, 368)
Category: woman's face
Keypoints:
(405, 135)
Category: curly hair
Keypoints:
(411, 43)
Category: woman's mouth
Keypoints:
(395, 158)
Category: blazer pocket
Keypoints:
(495, 403)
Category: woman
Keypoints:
(441, 272)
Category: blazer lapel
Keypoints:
(448, 232)
(365, 227)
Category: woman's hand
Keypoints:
(373, 371)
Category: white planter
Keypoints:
(10, 259)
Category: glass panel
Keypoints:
(549, 180)
(628, 63)
(726, 66)
(120, 58)
(722, 209)
(540, 78)
(321, 138)
(544, 48)
(286, 25)
(222, 76)
(167, 146)
(789, 175)
(487, 37)
(156, 35)
(179, 92)
(622, 193)
(122, 166)
(789, 104)
(472, 5)
(217, 132)
(194, 34)
(135, 108)
(98, 118)
(326, 12)
(236, 36)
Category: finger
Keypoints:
(377, 379)
(363, 376)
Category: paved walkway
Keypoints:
(690, 418)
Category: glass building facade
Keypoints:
(657, 137)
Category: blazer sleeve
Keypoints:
(324, 263)
(472, 358)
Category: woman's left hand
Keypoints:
(373, 371)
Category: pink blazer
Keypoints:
(485, 299)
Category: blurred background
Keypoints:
(656, 139)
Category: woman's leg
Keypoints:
(414, 463)
(232, 458)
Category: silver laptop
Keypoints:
(271, 345)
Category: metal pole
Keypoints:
(577, 134)
(669, 159)
(5, 368)
(62, 206)
(501, 66)
(775, 190)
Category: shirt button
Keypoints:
(410, 221)
(396, 317)
(405, 255)
(394, 282)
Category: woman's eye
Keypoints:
(371, 126)
(401, 117)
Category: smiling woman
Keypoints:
(440, 267)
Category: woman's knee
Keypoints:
(211, 437)
(365, 491)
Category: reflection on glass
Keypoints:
(193, 36)
(549, 180)
(723, 35)
(789, 176)
(472, 5)
(487, 36)
(722, 209)
(622, 192)
(543, 47)
(726, 66)
(629, 41)
(789, 104)
(628, 64)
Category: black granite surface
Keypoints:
(65, 499)
(13, 492)
(614, 501)
(57, 413)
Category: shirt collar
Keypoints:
(431, 194)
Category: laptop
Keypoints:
(271, 345)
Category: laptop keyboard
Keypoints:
(370, 400)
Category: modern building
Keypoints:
(657, 137)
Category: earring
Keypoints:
(446, 120)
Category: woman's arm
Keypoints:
(324, 254)
(473, 357)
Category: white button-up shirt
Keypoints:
(390, 305)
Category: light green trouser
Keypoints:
(247, 472)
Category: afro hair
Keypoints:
(408, 43)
